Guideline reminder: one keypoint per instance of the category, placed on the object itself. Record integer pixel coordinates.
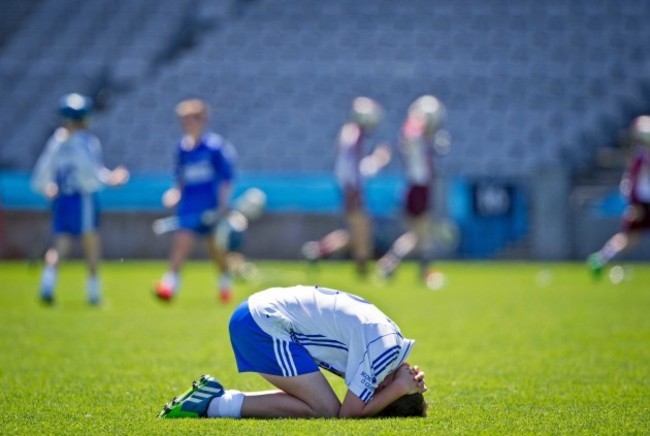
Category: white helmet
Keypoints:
(429, 108)
(640, 130)
(366, 112)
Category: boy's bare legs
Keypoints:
(182, 245)
(53, 256)
(360, 239)
(61, 250)
(423, 228)
(332, 243)
(220, 258)
(303, 396)
(618, 243)
(92, 251)
(419, 238)
(400, 248)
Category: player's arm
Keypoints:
(406, 381)
(224, 162)
(225, 194)
(172, 196)
(378, 159)
(115, 177)
(118, 176)
(43, 175)
(91, 171)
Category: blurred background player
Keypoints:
(420, 138)
(635, 186)
(351, 169)
(70, 172)
(204, 172)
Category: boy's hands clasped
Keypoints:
(411, 378)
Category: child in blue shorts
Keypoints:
(204, 172)
(70, 172)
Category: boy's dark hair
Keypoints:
(408, 405)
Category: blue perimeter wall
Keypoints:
(317, 194)
(481, 236)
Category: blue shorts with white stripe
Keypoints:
(75, 214)
(257, 351)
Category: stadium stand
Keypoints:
(528, 85)
(97, 48)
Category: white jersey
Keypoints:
(417, 153)
(343, 333)
(73, 162)
(348, 157)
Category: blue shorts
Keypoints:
(75, 214)
(193, 222)
(257, 351)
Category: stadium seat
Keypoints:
(518, 74)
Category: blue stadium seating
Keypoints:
(527, 84)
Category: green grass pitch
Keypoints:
(508, 348)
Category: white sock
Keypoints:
(172, 279)
(225, 282)
(226, 406)
(607, 253)
(94, 288)
(48, 280)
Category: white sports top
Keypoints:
(343, 333)
(73, 162)
(417, 152)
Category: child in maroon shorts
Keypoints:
(635, 185)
